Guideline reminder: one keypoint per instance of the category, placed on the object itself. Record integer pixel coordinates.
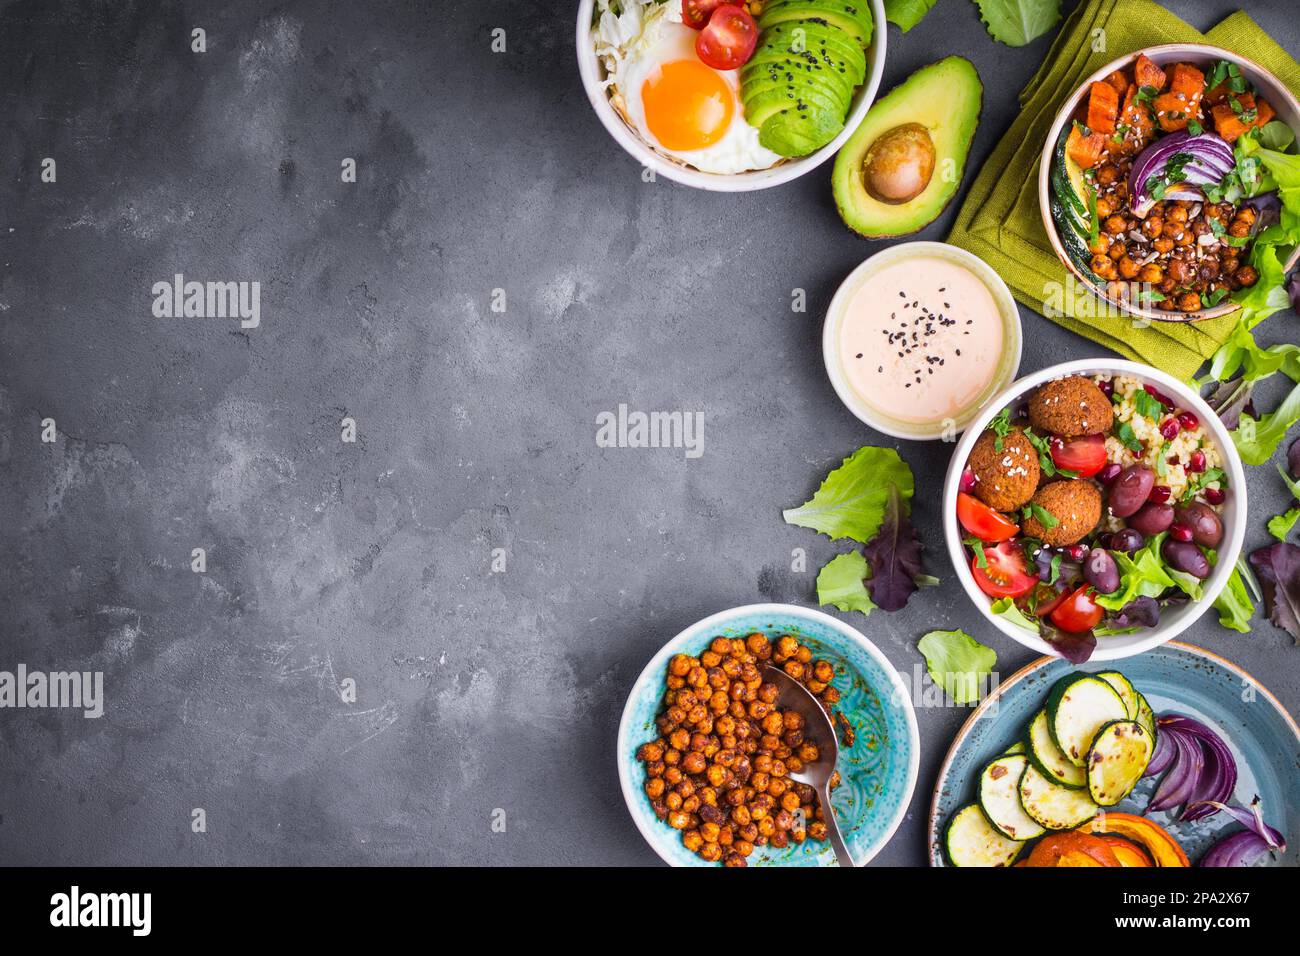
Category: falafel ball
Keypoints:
(1071, 407)
(1006, 479)
(1076, 506)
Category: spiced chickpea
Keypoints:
(1100, 245)
(680, 665)
(1127, 267)
(1246, 275)
(1189, 302)
(1152, 227)
(794, 668)
(694, 762)
(1163, 245)
(1177, 212)
(1118, 250)
(711, 852)
(1239, 229)
(654, 788)
(1105, 206)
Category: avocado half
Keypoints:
(945, 99)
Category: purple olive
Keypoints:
(1207, 529)
(1130, 490)
(1186, 557)
(1293, 458)
(1129, 540)
(1151, 519)
(1100, 570)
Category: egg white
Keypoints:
(663, 38)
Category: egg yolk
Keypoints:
(687, 105)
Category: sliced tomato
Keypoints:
(1005, 574)
(728, 41)
(982, 521)
(1049, 599)
(1084, 456)
(1078, 612)
(696, 13)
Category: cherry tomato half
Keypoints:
(982, 521)
(696, 13)
(1078, 612)
(728, 41)
(1049, 599)
(1005, 574)
(1084, 456)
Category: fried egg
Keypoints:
(682, 107)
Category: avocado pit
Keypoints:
(898, 166)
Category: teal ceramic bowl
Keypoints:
(879, 771)
(1176, 677)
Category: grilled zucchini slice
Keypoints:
(1054, 807)
(1048, 757)
(1078, 706)
(999, 798)
(1117, 760)
(972, 841)
(1127, 693)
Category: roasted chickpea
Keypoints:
(1114, 225)
(1239, 229)
(1246, 275)
(794, 668)
(1105, 206)
(680, 665)
(1100, 245)
(786, 647)
(1163, 246)
(1151, 273)
(1107, 174)
(1189, 302)
(1152, 227)
(817, 830)
(711, 852)
(1128, 267)
(654, 788)
(1177, 212)
(757, 643)
(694, 762)
(679, 820)
(823, 671)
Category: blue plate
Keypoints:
(1174, 677)
(878, 772)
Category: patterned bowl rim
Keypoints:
(932, 826)
(900, 698)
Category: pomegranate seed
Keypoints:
(1197, 461)
(1181, 532)
(1215, 496)
(1189, 421)
(1159, 396)
(1107, 387)
(1169, 428)
(1077, 552)
(967, 481)
(1159, 494)
(1109, 473)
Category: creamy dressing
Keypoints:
(921, 339)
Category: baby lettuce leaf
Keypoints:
(958, 663)
(1008, 609)
(1075, 648)
(1142, 574)
(1234, 605)
(851, 501)
(1258, 438)
(1017, 22)
(907, 13)
(841, 583)
(1279, 526)
(895, 556)
(1278, 569)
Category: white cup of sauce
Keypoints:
(919, 337)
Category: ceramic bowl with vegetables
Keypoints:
(1175, 758)
(1095, 509)
(731, 96)
(1163, 183)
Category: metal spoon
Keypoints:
(792, 695)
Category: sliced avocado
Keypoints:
(816, 39)
(851, 16)
(939, 103)
(794, 132)
(766, 99)
(830, 90)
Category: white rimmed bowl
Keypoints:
(1201, 55)
(1008, 365)
(1172, 622)
(593, 74)
(878, 773)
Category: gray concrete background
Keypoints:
(371, 561)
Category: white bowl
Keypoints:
(1172, 623)
(1011, 338)
(592, 73)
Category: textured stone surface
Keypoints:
(372, 561)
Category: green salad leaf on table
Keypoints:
(958, 663)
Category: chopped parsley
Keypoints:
(1045, 460)
(1045, 517)
(1147, 405)
(976, 545)
(1001, 426)
(1128, 438)
(1200, 481)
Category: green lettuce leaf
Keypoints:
(1017, 22)
(958, 663)
(1258, 439)
(851, 501)
(907, 13)
(1234, 605)
(1280, 526)
(841, 583)
(1007, 608)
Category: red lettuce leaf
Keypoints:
(894, 555)
(1278, 570)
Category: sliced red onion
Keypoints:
(1218, 780)
(1212, 159)
(1182, 779)
(1244, 847)
(1161, 758)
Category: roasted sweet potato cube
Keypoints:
(1085, 150)
(1173, 110)
(1119, 81)
(1103, 108)
(1230, 124)
(1136, 118)
(1147, 73)
(1265, 112)
(1188, 80)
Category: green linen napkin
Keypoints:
(1000, 220)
